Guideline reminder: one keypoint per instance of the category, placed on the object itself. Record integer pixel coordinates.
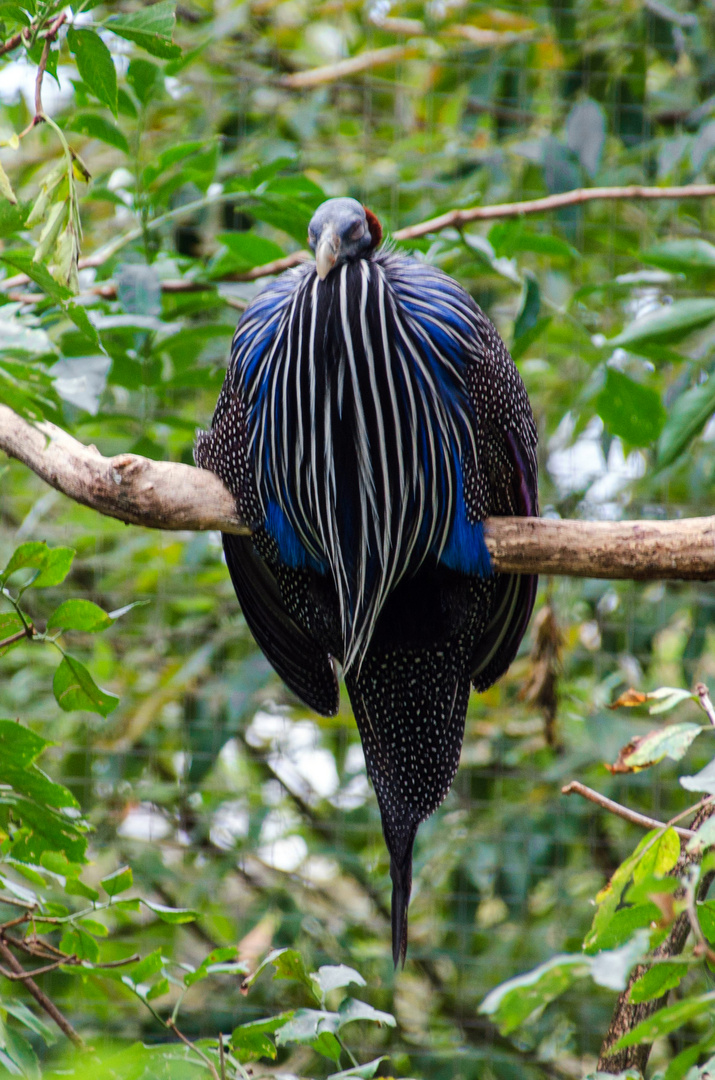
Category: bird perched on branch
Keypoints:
(370, 419)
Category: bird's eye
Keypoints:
(357, 231)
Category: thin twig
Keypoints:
(452, 219)
(49, 36)
(41, 997)
(221, 1056)
(22, 976)
(17, 637)
(577, 788)
(14, 41)
(457, 219)
(196, 1049)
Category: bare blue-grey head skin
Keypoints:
(338, 232)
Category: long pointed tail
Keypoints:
(401, 874)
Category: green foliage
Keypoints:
(234, 839)
(635, 911)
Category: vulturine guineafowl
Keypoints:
(370, 419)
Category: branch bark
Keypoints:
(169, 495)
(455, 219)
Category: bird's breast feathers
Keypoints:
(365, 397)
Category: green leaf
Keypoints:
(366, 1071)
(118, 882)
(706, 917)
(510, 237)
(160, 987)
(98, 127)
(629, 410)
(12, 219)
(150, 965)
(672, 742)
(667, 1020)
(510, 1004)
(92, 926)
(314, 1027)
(251, 1041)
(704, 836)
(615, 921)
(282, 212)
(172, 915)
(702, 781)
(686, 419)
(656, 981)
(95, 65)
(22, 261)
(74, 688)
(10, 624)
(690, 254)
(18, 746)
(78, 943)
(352, 1009)
(151, 28)
(30, 555)
(145, 79)
(243, 251)
(55, 568)
(37, 802)
(28, 1019)
(288, 964)
(667, 324)
(530, 307)
(78, 615)
(333, 976)
(76, 887)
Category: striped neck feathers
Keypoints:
(359, 427)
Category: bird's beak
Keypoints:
(326, 252)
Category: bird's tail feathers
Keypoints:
(401, 874)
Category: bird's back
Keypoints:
(369, 422)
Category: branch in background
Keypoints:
(577, 788)
(40, 997)
(627, 1016)
(170, 495)
(456, 219)
(353, 65)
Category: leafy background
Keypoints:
(222, 792)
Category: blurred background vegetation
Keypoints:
(224, 794)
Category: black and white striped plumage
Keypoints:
(371, 418)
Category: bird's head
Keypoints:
(340, 230)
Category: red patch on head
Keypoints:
(375, 228)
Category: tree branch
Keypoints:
(170, 495)
(353, 65)
(455, 219)
(577, 788)
(40, 996)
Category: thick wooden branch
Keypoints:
(157, 494)
(169, 495)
